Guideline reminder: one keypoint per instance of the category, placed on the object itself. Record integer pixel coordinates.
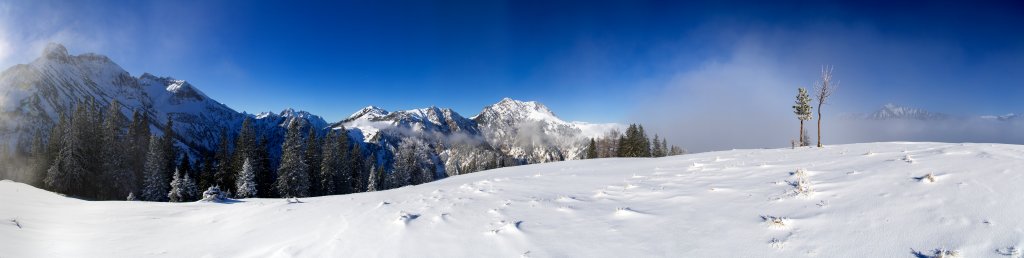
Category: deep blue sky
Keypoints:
(600, 61)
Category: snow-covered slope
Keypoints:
(863, 200)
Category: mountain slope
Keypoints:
(867, 201)
(530, 132)
(896, 112)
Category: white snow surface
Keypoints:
(864, 200)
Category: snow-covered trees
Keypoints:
(155, 183)
(73, 170)
(183, 188)
(293, 174)
(246, 181)
(823, 91)
(802, 109)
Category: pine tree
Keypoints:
(225, 175)
(376, 174)
(155, 185)
(643, 142)
(293, 174)
(189, 188)
(116, 163)
(54, 143)
(265, 176)
(170, 151)
(664, 147)
(40, 160)
(405, 167)
(592, 149)
(68, 171)
(138, 134)
(357, 169)
(312, 157)
(246, 181)
(90, 124)
(802, 109)
(331, 166)
(177, 192)
(656, 147)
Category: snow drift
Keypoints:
(859, 200)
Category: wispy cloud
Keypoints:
(742, 99)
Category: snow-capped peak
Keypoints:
(369, 112)
(520, 110)
(55, 51)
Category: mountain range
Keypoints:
(33, 95)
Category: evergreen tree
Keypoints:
(190, 191)
(40, 160)
(656, 147)
(312, 157)
(170, 151)
(183, 188)
(138, 146)
(155, 185)
(643, 143)
(373, 182)
(265, 176)
(245, 149)
(68, 171)
(293, 174)
(331, 166)
(802, 109)
(177, 192)
(206, 177)
(664, 147)
(225, 175)
(357, 169)
(246, 181)
(592, 149)
(54, 143)
(115, 161)
(405, 167)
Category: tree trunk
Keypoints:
(819, 125)
(801, 139)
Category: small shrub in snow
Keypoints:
(776, 222)
(800, 173)
(929, 178)
(776, 243)
(213, 194)
(940, 253)
(16, 223)
(802, 185)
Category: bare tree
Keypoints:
(823, 90)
